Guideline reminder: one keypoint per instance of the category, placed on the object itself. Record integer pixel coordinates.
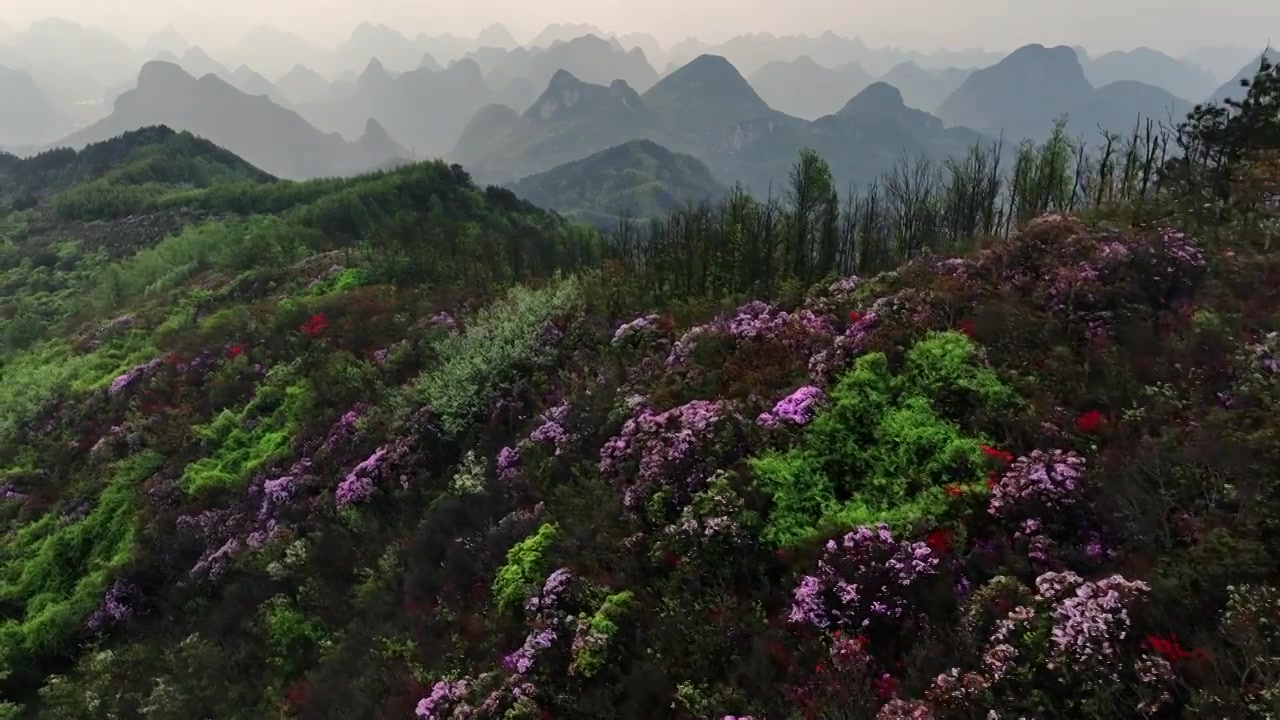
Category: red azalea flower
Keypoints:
(967, 327)
(991, 480)
(315, 326)
(939, 541)
(886, 686)
(955, 490)
(818, 668)
(1001, 455)
(666, 324)
(1090, 421)
(854, 316)
(235, 351)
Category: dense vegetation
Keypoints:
(397, 446)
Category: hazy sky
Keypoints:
(1171, 25)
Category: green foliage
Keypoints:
(240, 443)
(40, 376)
(232, 247)
(290, 635)
(122, 175)
(599, 629)
(524, 568)
(56, 572)
(496, 347)
(887, 446)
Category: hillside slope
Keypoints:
(395, 446)
(640, 178)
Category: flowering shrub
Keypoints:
(358, 484)
(315, 326)
(797, 408)
(666, 454)
(1076, 632)
(864, 579)
(1037, 483)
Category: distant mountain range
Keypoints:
(1022, 95)
(26, 115)
(803, 88)
(708, 110)
(424, 91)
(270, 137)
(640, 178)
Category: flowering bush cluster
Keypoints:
(865, 579)
(797, 408)
(669, 453)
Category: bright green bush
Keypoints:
(40, 375)
(238, 447)
(886, 447)
(524, 567)
(56, 573)
(598, 630)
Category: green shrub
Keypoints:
(240, 443)
(56, 573)
(524, 568)
(885, 448)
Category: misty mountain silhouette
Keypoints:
(806, 89)
(1023, 94)
(270, 137)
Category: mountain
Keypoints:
(26, 115)
(249, 82)
(640, 178)
(1222, 61)
(589, 58)
(569, 121)
(752, 51)
(369, 41)
(563, 32)
(803, 88)
(705, 96)
(486, 128)
(303, 85)
(1182, 78)
(860, 142)
(429, 62)
(424, 109)
(151, 155)
(925, 89)
(198, 63)
(707, 110)
(496, 35)
(1232, 88)
(1026, 92)
(61, 46)
(273, 52)
(168, 40)
(653, 50)
(275, 139)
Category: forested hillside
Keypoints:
(980, 440)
